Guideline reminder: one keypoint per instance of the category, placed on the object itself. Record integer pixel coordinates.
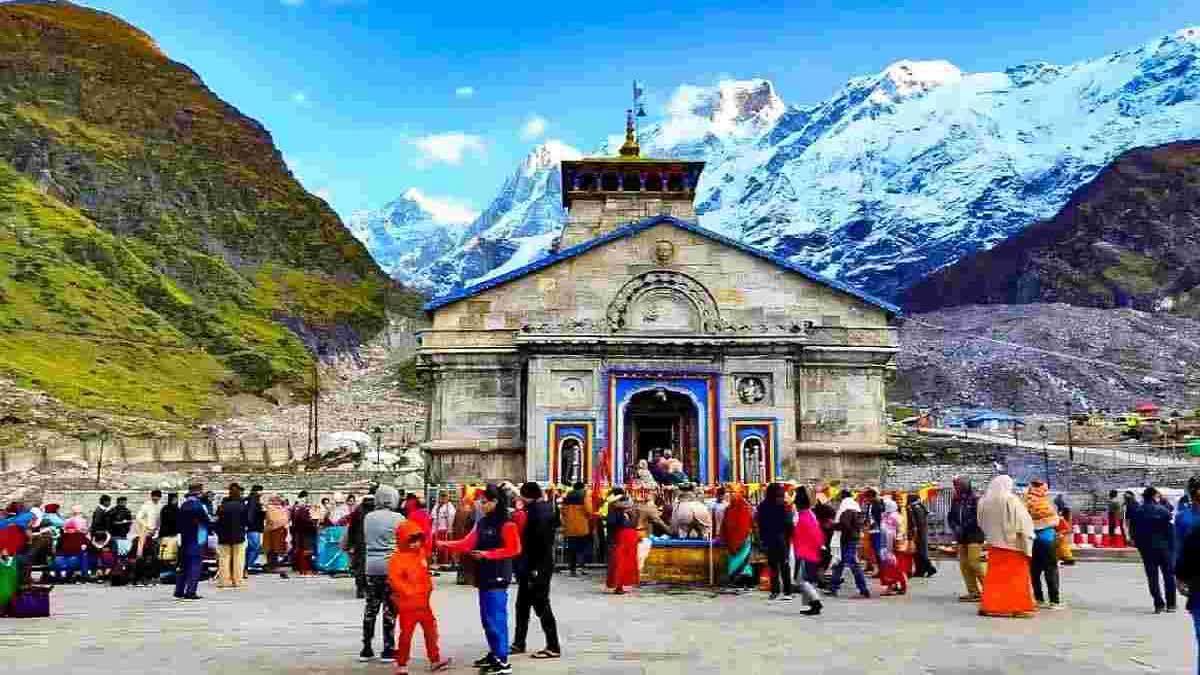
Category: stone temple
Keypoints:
(643, 331)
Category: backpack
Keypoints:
(118, 574)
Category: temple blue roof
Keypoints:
(641, 226)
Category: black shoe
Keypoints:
(830, 592)
(814, 609)
(366, 654)
(773, 596)
(387, 655)
(498, 669)
(1159, 610)
(193, 596)
(516, 649)
(1171, 609)
(485, 661)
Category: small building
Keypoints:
(644, 332)
(994, 421)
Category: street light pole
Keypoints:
(1070, 440)
(1045, 433)
(377, 433)
(104, 436)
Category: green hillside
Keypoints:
(155, 251)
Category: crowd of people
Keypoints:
(1010, 546)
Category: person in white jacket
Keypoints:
(147, 519)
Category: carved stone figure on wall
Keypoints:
(751, 390)
(664, 252)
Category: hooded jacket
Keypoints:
(408, 571)
(379, 530)
(576, 516)
(964, 515)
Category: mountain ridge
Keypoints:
(902, 172)
(140, 203)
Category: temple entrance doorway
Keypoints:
(658, 420)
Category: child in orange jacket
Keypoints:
(408, 579)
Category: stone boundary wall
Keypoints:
(918, 465)
(122, 451)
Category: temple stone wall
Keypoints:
(511, 359)
(747, 290)
(597, 216)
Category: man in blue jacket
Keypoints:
(194, 521)
(1155, 541)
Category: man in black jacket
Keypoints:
(231, 539)
(533, 579)
(918, 533)
(964, 521)
(101, 516)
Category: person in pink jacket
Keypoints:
(807, 542)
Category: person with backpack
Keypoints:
(849, 522)
(493, 543)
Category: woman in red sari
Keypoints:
(737, 523)
(893, 565)
(623, 541)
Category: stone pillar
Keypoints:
(266, 454)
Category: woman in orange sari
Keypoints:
(1007, 588)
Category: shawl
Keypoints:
(807, 538)
(277, 516)
(736, 523)
(1037, 501)
(1004, 519)
(848, 504)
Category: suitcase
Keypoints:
(31, 602)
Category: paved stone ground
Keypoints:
(312, 626)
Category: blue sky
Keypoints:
(368, 98)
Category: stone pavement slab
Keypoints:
(312, 625)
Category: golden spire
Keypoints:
(630, 147)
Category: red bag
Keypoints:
(31, 602)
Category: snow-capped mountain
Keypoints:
(410, 233)
(895, 175)
(517, 227)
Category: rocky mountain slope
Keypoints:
(1097, 358)
(155, 250)
(903, 172)
(1130, 238)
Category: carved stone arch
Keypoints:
(669, 293)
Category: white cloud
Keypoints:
(449, 148)
(445, 210)
(464, 92)
(533, 128)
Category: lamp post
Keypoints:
(1070, 439)
(1175, 439)
(105, 435)
(1044, 433)
(377, 436)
